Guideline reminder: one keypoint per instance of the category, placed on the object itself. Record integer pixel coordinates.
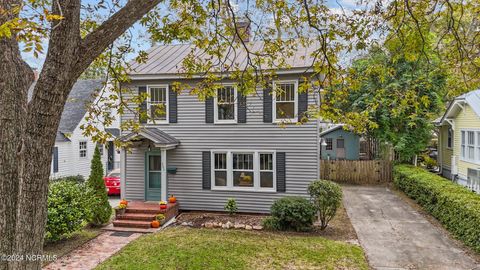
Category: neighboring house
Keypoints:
(459, 140)
(229, 146)
(73, 152)
(340, 144)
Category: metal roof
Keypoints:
(472, 98)
(167, 59)
(158, 137)
(330, 129)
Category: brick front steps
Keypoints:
(138, 215)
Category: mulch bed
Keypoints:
(197, 219)
(339, 228)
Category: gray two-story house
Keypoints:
(251, 148)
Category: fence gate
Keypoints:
(356, 171)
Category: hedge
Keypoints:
(457, 208)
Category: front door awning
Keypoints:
(157, 137)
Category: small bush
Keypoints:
(68, 209)
(73, 178)
(231, 206)
(457, 208)
(292, 213)
(326, 197)
(271, 224)
(102, 210)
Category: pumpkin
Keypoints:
(172, 199)
(163, 206)
(125, 202)
(155, 224)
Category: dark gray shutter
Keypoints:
(55, 159)
(206, 170)
(172, 105)
(209, 110)
(267, 104)
(143, 107)
(281, 172)
(242, 108)
(302, 104)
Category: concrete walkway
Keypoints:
(93, 252)
(395, 236)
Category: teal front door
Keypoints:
(153, 176)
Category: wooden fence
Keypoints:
(357, 171)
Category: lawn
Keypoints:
(190, 248)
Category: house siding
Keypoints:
(196, 136)
(466, 119)
(446, 152)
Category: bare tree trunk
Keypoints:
(28, 129)
(15, 79)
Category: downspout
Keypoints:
(318, 136)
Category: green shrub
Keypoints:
(102, 210)
(457, 208)
(231, 206)
(271, 224)
(68, 209)
(326, 197)
(292, 213)
(74, 178)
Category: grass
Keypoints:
(65, 246)
(189, 248)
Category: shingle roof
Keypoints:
(115, 132)
(167, 59)
(154, 134)
(75, 106)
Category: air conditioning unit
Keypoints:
(473, 179)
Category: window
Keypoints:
(266, 170)
(243, 170)
(285, 100)
(226, 105)
(220, 169)
(82, 147)
(449, 138)
(157, 104)
(329, 142)
(470, 145)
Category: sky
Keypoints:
(141, 40)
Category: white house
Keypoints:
(73, 152)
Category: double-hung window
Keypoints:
(285, 101)
(243, 170)
(220, 169)
(470, 145)
(157, 103)
(82, 148)
(226, 104)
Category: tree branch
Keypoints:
(98, 40)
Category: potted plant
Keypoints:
(155, 224)
(163, 205)
(172, 199)
(160, 218)
(120, 209)
(125, 202)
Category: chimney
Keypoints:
(243, 29)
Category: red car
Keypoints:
(112, 182)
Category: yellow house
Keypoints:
(459, 140)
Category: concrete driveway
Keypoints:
(395, 236)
